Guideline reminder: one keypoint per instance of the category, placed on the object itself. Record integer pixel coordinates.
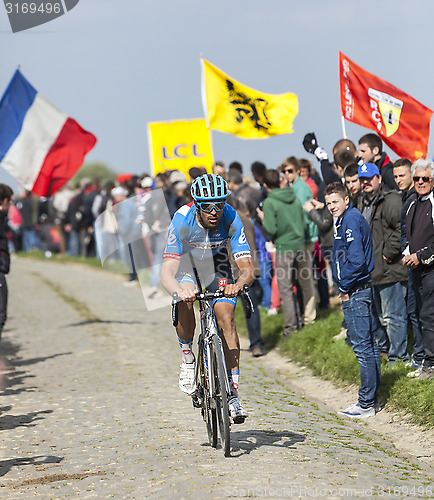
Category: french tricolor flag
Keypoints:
(39, 145)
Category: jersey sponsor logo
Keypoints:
(207, 245)
(349, 235)
(223, 282)
(242, 239)
(171, 237)
(241, 255)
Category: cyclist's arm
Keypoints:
(168, 280)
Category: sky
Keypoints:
(116, 65)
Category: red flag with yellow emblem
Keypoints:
(400, 120)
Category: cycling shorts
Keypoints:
(216, 274)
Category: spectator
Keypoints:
(382, 210)
(235, 165)
(5, 259)
(291, 169)
(404, 180)
(77, 221)
(195, 172)
(242, 191)
(60, 205)
(318, 214)
(254, 322)
(219, 169)
(419, 254)
(29, 213)
(283, 219)
(352, 181)
(154, 215)
(353, 261)
(306, 176)
(344, 153)
(129, 232)
(371, 151)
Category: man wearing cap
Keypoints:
(382, 210)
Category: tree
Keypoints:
(94, 170)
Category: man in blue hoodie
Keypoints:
(352, 262)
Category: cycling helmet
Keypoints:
(209, 187)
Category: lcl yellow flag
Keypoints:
(179, 146)
(234, 108)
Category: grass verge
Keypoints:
(315, 348)
(332, 360)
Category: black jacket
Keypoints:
(420, 230)
(5, 260)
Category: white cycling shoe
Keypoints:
(237, 411)
(187, 380)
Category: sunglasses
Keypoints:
(416, 178)
(289, 171)
(207, 206)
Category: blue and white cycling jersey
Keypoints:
(185, 235)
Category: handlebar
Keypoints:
(218, 294)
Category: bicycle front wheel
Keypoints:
(209, 414)
(221, 396)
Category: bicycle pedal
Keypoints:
(239, 420)
(196, 401)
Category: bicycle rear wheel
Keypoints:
(221, 395)
(209, 414)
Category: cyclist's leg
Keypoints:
(231, 343)
(185, 331)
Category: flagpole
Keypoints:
(344, 132)
(203, 90)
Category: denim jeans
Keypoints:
(379, 331)
(266, 267)
(414, 304)
(391, 307)
(358, 317)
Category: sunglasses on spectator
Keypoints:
(416, 178)
(289, 171)
(207, 206)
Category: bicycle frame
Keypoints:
(209, 330)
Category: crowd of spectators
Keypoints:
(290, 229)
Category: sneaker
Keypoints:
(341, 335)
(416, 373)
(236, 410)
(187, 380)
(130, 283)
(413, 364)
(356, 411)
(272, 312)
(427, 373)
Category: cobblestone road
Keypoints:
(93, 410)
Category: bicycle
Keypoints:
(212, 383)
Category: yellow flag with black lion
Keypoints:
(236, 109)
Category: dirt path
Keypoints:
(92, 410)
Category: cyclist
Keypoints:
(200, 231)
